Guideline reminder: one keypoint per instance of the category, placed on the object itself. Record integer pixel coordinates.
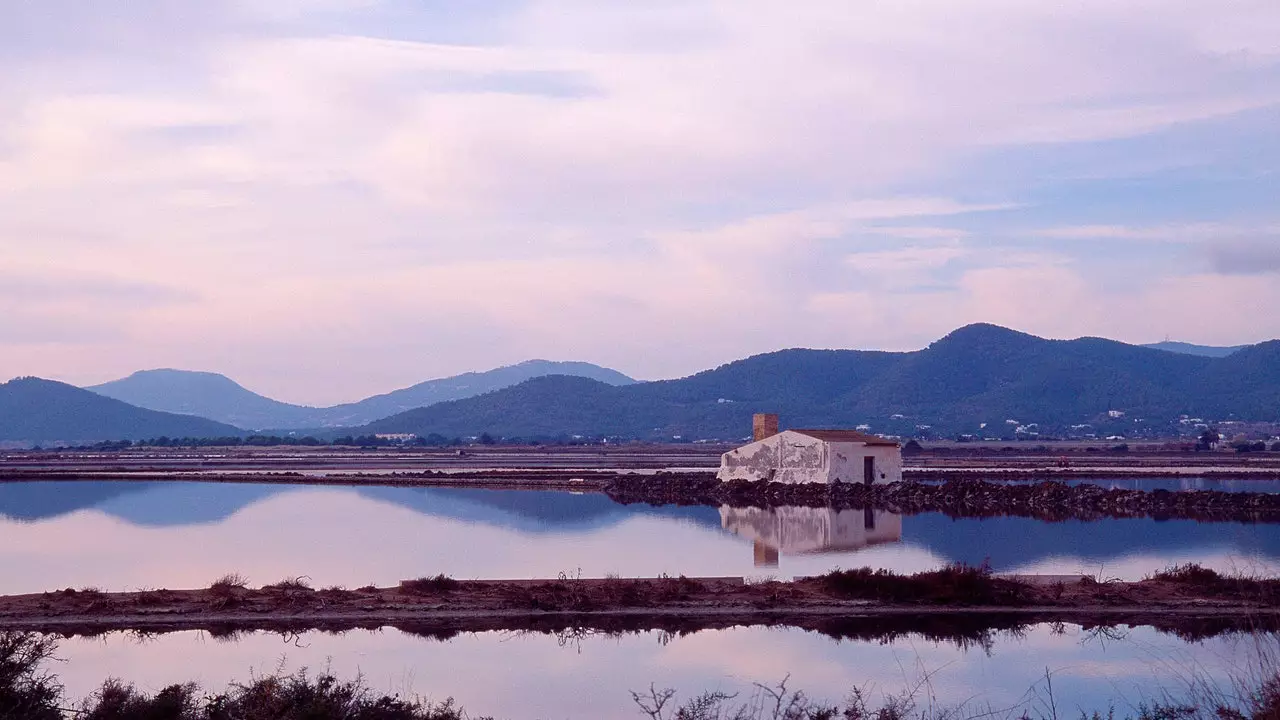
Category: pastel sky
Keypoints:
(330, 198)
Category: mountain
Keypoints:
(208, 395)
(1201, 350)
(977, 374)
(463, 386)
(44, 411)
(218, 397)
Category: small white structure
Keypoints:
(812, 456)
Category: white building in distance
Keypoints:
(812, 456)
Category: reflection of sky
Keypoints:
(122, 536)
(533, 676)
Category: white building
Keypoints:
(812, 456)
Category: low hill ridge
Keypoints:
(41, 411)
(218, 397)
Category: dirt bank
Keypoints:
(951, 602)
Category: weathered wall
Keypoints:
(786, 458)
(847, 460)
(799, 530)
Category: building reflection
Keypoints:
(806, 530)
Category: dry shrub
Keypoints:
(291, 584)
(439, 585)
(228, 584)
(952, 585)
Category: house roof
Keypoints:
(846, 436)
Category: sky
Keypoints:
(326, 199)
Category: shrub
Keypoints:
(228, 584)
(291, 584)
(430, 586)
(25, 690)
(953, 585)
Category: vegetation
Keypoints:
(953, 585)
(1222, 586)
(229, 583)
(437, 585)
(29, 692)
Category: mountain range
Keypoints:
(44, 411)
(979, 374)
(981, 379)
(219, 398)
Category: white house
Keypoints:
(812, 456)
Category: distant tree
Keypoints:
(1209, 439)
(1275, 446)
(487, 439)
(1121, 448)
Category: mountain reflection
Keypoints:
(805, 530)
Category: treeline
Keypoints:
(363, 441)
(228, 441)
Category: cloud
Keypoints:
(662, 186)
(1246, 258)
(1166, 233)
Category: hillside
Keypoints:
(43, 411)
(462, 386)
(977, 374)
(218, 397)
(208, 395)
(1190, 349)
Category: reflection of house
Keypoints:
(819, 456)
(805, 530)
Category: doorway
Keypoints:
(869, 470)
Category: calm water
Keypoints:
(538, 676)
(121, 536)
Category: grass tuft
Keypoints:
(437, 585)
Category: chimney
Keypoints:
(763, 425)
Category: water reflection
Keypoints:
(537, 676)
(806, 530)
(127, 535)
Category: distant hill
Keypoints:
(208, 395)
(463, 386)
(1201, 350)
(215, 396)
(977, 374)
(44, 411)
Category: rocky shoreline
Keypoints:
(1049, 500)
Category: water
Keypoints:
(521, 676)
(130, 535)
